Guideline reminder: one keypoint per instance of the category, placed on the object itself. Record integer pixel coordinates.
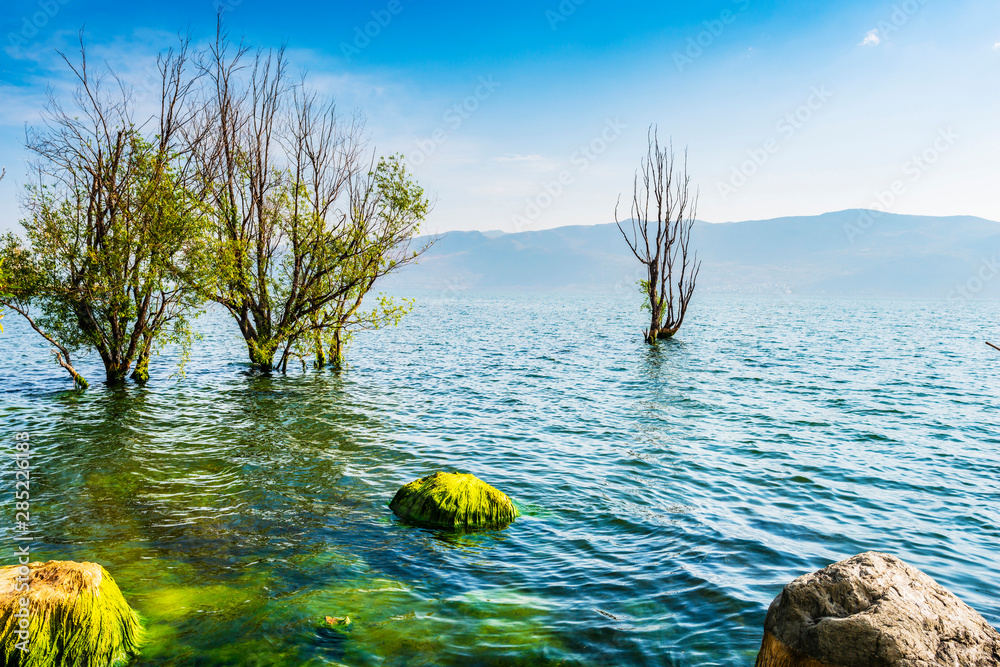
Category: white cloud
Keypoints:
(513, 157)
(996, 47)
(871, 38)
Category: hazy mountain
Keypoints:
(853, 252)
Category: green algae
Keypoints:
(271, 613)
(393, 623)
(532, 510)
(215, 588)
(495, 626)
(453, 500)
(175, 603)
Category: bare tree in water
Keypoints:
(663, 214)
(303, 224)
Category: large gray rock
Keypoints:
(874, 610)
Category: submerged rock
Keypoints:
(75, 616)
(874, 610)
(453, 500)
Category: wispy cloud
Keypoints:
(871, 38)
(996, 46)
(132, 60)
(514, 157)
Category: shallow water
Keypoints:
(667, 493)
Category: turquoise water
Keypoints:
(667, 493)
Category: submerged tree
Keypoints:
(387, 208)
(663, 214)
(301, 229)
(247, 191)
(3, 280)
(112, 228)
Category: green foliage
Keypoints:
(3, 291)
(25, 288)
(453, 500)
(387, 216)
(267, 209)
(644, 290)
(3, 281)
(77, 617)
(345, 318)
(113, 229)
(402, 202)
(110, 280)
(294, 260)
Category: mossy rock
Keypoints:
(453, 500)
(76, 617)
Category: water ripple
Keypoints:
(667, 494)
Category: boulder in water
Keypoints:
(453, 500)
(874, 610)
(74, 616)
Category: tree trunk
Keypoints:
(261, 354)
(260, 346)
(116, 363)
(654, 335)
(78, 380)
(655, 309)
(141, 372)
(655, 300)
(61, 353)
(337, 350)
(320, 352)
(115, 373)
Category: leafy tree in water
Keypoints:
(663, 214)
(387, 207)
(111, 224)
(301, 229)
(3, 281)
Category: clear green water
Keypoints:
(668, 494)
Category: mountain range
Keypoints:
(845, 253)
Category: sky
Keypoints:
(517, 116)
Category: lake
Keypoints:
(667, 493)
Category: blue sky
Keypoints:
(528, 115)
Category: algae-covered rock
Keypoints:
(74, 616)
(453, 500)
